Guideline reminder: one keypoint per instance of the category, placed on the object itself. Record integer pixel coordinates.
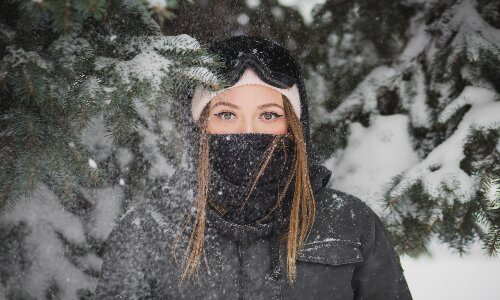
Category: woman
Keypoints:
(260, 222)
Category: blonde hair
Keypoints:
(303, 207)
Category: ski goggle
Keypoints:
(274, 63)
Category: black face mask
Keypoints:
(234, 161)
(238, 157)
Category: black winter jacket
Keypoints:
(348, 255)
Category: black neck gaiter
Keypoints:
(234, 161)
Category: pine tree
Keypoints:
(88, 107)
(435, 66)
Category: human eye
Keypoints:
(269, 115)
(225, 115)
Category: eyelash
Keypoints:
(276, 115)
(220, 114)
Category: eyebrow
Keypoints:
(269, 105)
(237, 107)
(227, 104)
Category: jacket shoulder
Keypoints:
(341, 227)
(127, 255)
(342, 215)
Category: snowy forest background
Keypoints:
(405, 112)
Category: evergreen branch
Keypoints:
(139, 9)
(26, 127)
(94, 8)
(490, 203)
(121, 116)
(493, 242)
(9, 195)
(28, 72)
(27, 171)
(410, 230)
(458, 224)
(469, 96)
(33, 15)
(201, 75)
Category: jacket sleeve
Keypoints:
(380, 275)
(124, 272)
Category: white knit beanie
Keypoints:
(202, 96)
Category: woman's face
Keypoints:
(247, 109)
